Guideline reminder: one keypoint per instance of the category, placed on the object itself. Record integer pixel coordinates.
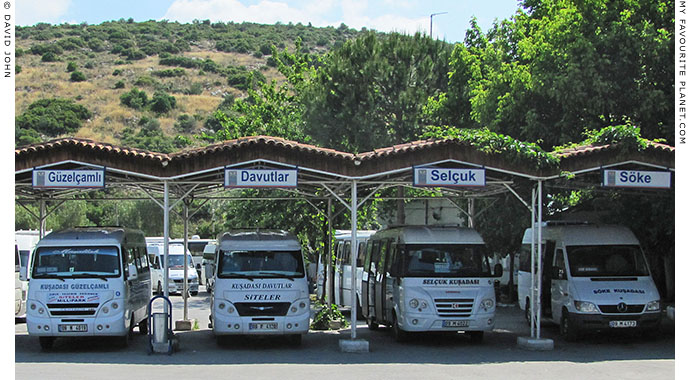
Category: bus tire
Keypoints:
(46, 342)
(567, 329)
(194, 293)
(159, 289)
(528, 313)
(144, 326)
(371, 324)
(360, 315)
(399, 334)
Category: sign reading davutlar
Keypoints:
(260, 178)
(68, 179)
(449, 177)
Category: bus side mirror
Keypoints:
(498, 270)
(209, 255)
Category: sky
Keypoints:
(407, 16)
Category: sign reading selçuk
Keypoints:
(637, 178)
(437, 177)
(261, 178)
(67, 179)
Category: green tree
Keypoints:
(134, 99)
(370, 92)
(559, 67)
(71, 66)
(77, 76)
(53, 117)
(162, 103)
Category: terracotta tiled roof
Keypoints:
(260, 140)
(89, 144)
(590, 149)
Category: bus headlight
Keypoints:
(487, 304)
(298, 306)
(414, 303)
(586, 307)
(653, 306)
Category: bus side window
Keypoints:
(382, 258)
(347, 253)
(360, 254)
(392, 264)
(367, 255)
(375, 255)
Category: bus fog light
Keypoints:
(487, 304)
(415, 321)
(289, 325)
(302, 305)
(99, 327)
(107, 326)
(115, 305)
(414, 303)
(231, 309)
(293, 309)
(46, 327)
(237, 326)
(424, 305)
(40, 310)
(490, 322)
(106, 310)
(33, 306)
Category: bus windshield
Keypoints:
(606, 260)
(445, 260)
(76, 262)
(260, 264)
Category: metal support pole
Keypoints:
(42, 219)
(470, 212)
(185, 285)
(531, 267)
(329, 255)
(353, 262)
(166, 237)
(539, 264)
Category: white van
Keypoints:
(208, 265)
(594, 278)
(429, 278)
(260, 285)
(90, 281)
(176, 272)
(343, 267)
(195, 246)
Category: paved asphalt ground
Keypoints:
(426, 357)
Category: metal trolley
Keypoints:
(161, 336)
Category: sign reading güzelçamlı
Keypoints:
(261, 178)
(67, 179)
(637, 178)
(449, 177)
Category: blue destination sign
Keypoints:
(449, 177)
(260, 178)
(637, 179)
(67, 179)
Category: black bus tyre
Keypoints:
(528, 313)
(46, 342)
(371, 324)
(399, 334)
(159, 289)
(144, 326)
(194, 293)
(359, 314)
(567, 328)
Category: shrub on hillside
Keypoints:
(77, 76)
(162, 102)
(53, 117)
(119, 84)
(134, 99)
(71, 66)
(50, 57)
(185, 123)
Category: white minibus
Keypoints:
(343, 268)
(260, 285)
(176, 272)
(429, 278)
(594, 278)
(88, 281)
(19, 294)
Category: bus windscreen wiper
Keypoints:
(278, 275)
(89, 275)
(50, 275)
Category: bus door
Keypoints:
(390, 281)
(380, 297)
(371, 282)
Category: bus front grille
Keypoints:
(454, 307)
(251, 309)
(68, 309)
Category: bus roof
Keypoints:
(585, 234)
(432, 234)
(93, 235)
(258, 240)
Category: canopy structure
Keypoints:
(322, 173)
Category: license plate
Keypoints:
(73, 328)
(456, 323)
(622, 324)
(263, 326)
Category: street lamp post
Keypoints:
(431, 22)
